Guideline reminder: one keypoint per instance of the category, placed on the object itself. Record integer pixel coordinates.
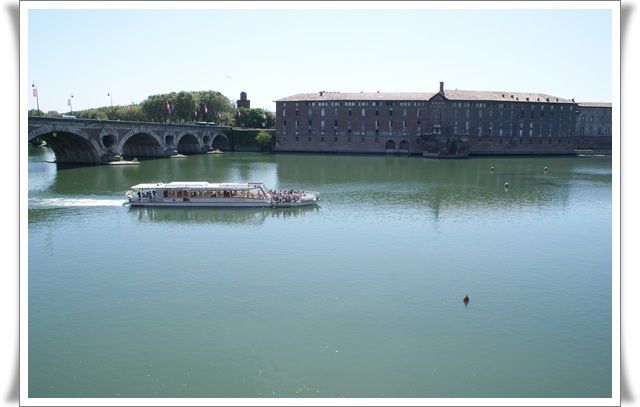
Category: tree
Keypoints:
(36, 112)
(264, 139)
(185, 106)
(255, 118)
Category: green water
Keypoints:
(359, 297)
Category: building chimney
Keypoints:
(442, 88)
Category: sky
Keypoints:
(271, 54)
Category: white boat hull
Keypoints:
(203, 204)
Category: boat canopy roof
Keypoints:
(198, 185)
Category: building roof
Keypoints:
(594, 104)
(502, 96)
(331, 96)
(466, 95)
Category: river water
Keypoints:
(359, 297)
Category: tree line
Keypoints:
(178, 107)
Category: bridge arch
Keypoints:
(188, 143)
(108, 138)
(70, 145)
(141, 142)
(404, 146)
(220, 141)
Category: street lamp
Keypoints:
(69, 103)
(111, 96)
(35, 93)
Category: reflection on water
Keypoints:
(254, 216)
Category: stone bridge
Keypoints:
(88, 141)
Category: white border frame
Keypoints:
(25, 89)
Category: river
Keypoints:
(358, 297)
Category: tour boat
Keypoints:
(205, 194)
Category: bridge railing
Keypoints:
(36, 119)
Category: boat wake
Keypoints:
(73, 202)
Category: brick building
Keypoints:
(243, 101)
(593, 126)
(449, 122)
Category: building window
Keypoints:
(390, 112)
(310, 122)
(377, 112)
(322, 139)
(362, 113)
(322, 112)
(350, 112)
(297, 139)
(419, 112)
(309, 139)
(335, 123)
(297, 112)
(322, 124)
(335, 139)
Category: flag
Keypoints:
(129, 108)
(238, 113)
(35, 92)
(168, 107)
(219, 115)
(69, 102)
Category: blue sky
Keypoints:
(275, 53)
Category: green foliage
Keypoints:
(263, 138)
(255, 118)
(185, 107)
(36, 112)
